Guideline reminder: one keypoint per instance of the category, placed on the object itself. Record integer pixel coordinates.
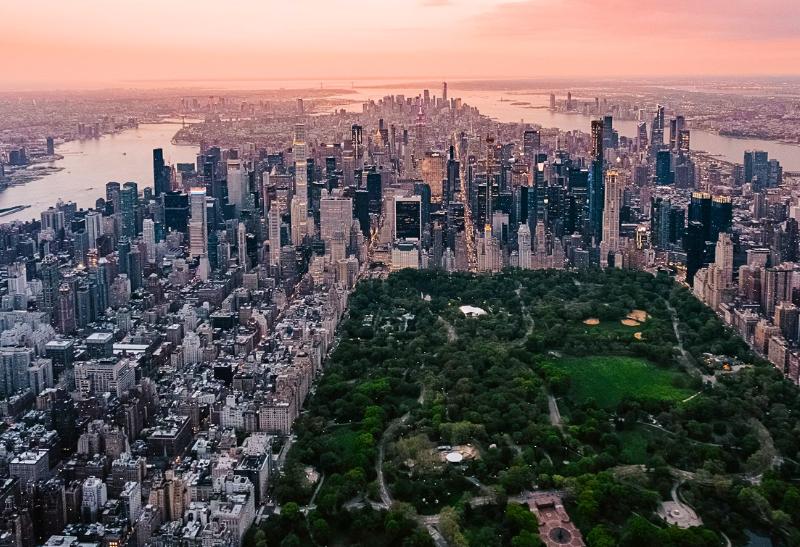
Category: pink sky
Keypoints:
(86, 43)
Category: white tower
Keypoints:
(149, 234)
(524, 244)
(613, 199)
(198, 230)
(241, 245)
(300, 198)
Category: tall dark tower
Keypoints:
(453, 177)
(161, 183)
(490, 167)
(596, 182)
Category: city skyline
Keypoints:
(65, 46)
(406, 274)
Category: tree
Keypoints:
(290, 512)
(599, 536)
(519, 518)
(450, 527)
(291, 540)
(320, 530)
(526, 539)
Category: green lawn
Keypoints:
(634, 446)
(609, 379)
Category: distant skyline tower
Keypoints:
(444, 92)
(357, 140)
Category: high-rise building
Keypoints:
(721, 216)
(161, 174)
(664, 174)
(65, 310)
(274, 227)
(127, 213)
(531, 143)
(94, 227)
(237, 185)
(241, 245)
(17, 279)
(676, 125)
(596, 181)
(149, 236)
(433, 173)
(694, 244)
(408, 218)
(756, 167)
(299, 213)
(608, 132)
(610, 244)
(524, 246)
(198, 225)
(51, 279)
(176, 211)
(335, 214)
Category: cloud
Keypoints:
(434, 3)
(615, 20)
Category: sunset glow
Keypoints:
(87, 43)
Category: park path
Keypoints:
(686, 357)
(452, 335)
(386, 496)
(555, 414)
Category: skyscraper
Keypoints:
(335, 214)
(756, 167)
(299, 212)
(408, 217)
(531, 142)
(664, 174)
(524, 246)
(237, 185)
(610, 244)
(676, 125)
(51, 279)
(241, 245)
(94, 227)
(161, 175)
(128, 195)
(596, 182)
(149, 235)
(198, 231)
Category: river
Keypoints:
(89, 164)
